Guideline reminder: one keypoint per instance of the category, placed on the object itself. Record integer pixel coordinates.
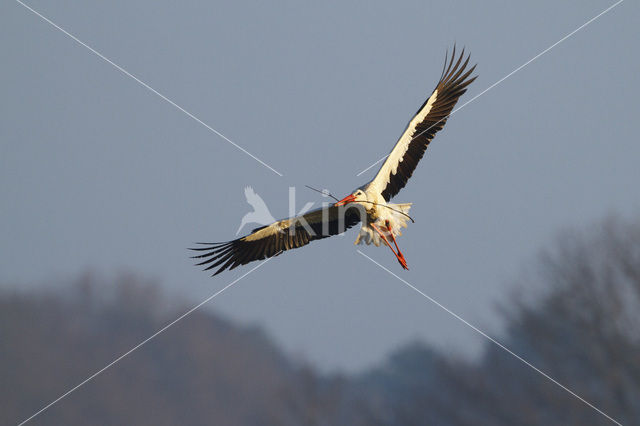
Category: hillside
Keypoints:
(577, 319)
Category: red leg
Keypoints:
(383, 237)
(399, 255)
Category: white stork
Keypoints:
(368, 204)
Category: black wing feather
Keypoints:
(276, 239)
(452, 85)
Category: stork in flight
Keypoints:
(368, 204)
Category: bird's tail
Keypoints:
(367, 235)
(399, 218)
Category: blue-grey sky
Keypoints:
(98, 172)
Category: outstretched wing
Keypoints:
(430, 118)
(271, 240)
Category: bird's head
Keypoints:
(354, 197)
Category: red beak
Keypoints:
(348, 199)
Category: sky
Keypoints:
(99, 173)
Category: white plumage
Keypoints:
(368, 235)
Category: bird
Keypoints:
(260, 213)
(381, 221)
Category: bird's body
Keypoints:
(379, 213)
(368, 204)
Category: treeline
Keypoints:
(577, 318)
